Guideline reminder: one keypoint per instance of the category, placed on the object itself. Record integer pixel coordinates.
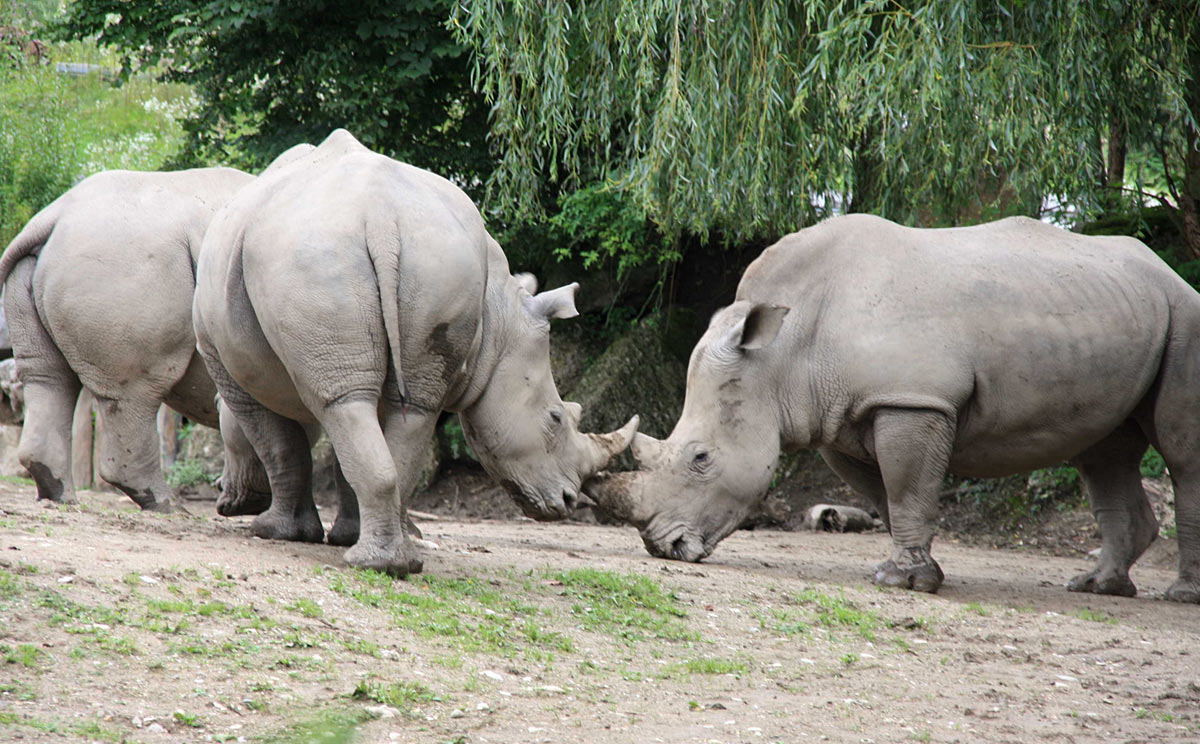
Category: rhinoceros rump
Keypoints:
(348, 290)
(98, 292)
(903, 354)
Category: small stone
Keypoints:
(156, 728)
(66, 579)
(382, 711)
(551, 688)
(456, 713)
(493, 675)
(148, 579)
(483, 706)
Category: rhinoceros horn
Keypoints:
(619, 494)
(607, 446)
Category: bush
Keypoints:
(39, 150)
(186, 473)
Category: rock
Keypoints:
(382, 711)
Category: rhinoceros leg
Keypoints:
(51, 389)
(345, 528)
(380, 464)
(1112, 476)
(913, 450)
(129, 452)
(283, 447)
(1174, 429)
(863, 477)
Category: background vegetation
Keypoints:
(653, 147)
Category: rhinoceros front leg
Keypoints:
(381, 465)
(913, 449)
(346, 527)
(1112, 476)
(283, 447)
(863, 477)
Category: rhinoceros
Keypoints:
(902, 354)
(98, 292)
(364, 295)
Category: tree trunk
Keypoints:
(1189, 192)
(864, 194)
(1114, 166)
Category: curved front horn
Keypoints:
(608, 446)
(645, 449)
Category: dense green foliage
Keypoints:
(755, 118)
(57, 129)
(271, 74)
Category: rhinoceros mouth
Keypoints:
(678, 543)
(536, 505)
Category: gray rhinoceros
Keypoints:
(903, 354)
(364, 295)
(98, 292)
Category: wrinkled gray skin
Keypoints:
(908, 353)
(348, 291)
(98, 292)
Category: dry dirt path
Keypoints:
(117, 626)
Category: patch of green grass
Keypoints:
(977, 608)
(188, 719)
(360, 646)
(628, 606)
(307, 608)
(18, 689)
(331, 726)
(470, 614)
(1095, 616)
(849, 659)
(837, 612)
(400, 695)
(708, 665)
(24, 654)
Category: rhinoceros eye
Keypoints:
(556, 417)
(700, 460)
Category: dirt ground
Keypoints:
(117, 626)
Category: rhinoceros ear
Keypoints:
(527, 281)
(554, 303)
(758, 329)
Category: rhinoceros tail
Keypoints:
(30, 240)
(387, 276)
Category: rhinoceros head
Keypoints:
(523, 433)
(695, 487)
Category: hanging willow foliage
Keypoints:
(755, 117)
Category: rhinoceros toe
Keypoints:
(398, 559)
(1097, 582)
(922, 576)
(1184, 590)
(276, 525)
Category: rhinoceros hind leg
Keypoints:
(51, 390)
(380, 466)
(912, 447)
(129, 452)
(1113, 481)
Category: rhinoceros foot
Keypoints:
(344, 531)
(243, 503)
(163, 506)
(1184, 590)
(398, 558)
(274, 524)
(911, 568)
(1100, 582)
